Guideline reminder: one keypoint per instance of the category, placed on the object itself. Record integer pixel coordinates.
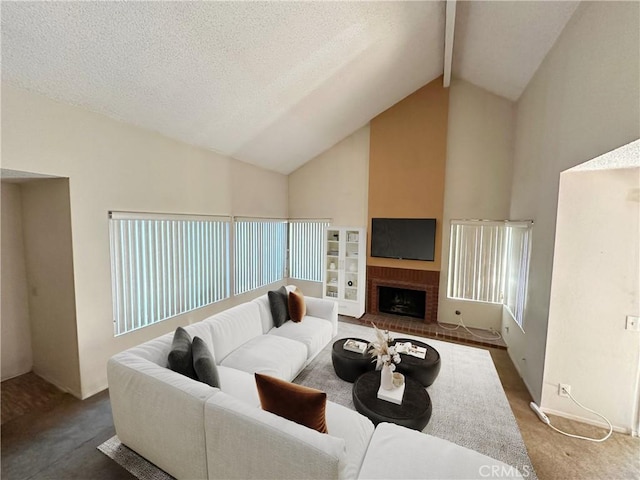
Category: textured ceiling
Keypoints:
(499, 45)
(270, 83)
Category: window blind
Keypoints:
(260, 253)
(165, 265)
(518, 257)
(305, 249)
(489, 262)
(477, 261)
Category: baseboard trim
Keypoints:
(58, 384)
(589, 421)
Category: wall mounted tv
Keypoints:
(403, 238)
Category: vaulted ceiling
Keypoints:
(269, 83)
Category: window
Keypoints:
(165, 265)
(489, 262)
(476, 261)
(305, 249)
(518, 254)
(260, 252)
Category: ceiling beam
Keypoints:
(449, 27)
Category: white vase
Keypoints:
(386, 377)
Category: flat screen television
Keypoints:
(403, 238)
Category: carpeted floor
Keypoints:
(469, 405)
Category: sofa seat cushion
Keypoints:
(270, 355)
(313, 332)
(392, 454)
(239, 384)
(355, 429)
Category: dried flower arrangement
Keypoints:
(383, 353)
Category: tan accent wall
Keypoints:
(408, 149)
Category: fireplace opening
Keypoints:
(402, 301)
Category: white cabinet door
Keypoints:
(345, 269)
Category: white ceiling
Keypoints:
(270, 83)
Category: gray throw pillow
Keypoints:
(204, 364)
(279, 305)
(180, 357)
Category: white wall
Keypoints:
(257, 192)
(595, 284)
(14, 303)
(46, 218)
(583, 101)
(477, 181)
(114, 166)
(333, 185)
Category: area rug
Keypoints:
(469, 405)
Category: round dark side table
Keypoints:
(425, 370)
(350, 365)
(414, 412)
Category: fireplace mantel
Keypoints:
(423, 280)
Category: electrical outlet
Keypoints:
(633, 323)
(564, 390)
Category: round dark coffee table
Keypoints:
(350, 365)
(414, 412)
(425, 370)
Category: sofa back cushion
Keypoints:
(245, 442)
(234, 327)
(265, 312)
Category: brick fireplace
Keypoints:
(421, 280)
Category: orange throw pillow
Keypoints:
(297, 307)
(303, 405)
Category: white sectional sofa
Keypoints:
(194, 431)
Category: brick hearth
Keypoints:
(422, 280)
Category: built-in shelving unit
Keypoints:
(345, 269)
